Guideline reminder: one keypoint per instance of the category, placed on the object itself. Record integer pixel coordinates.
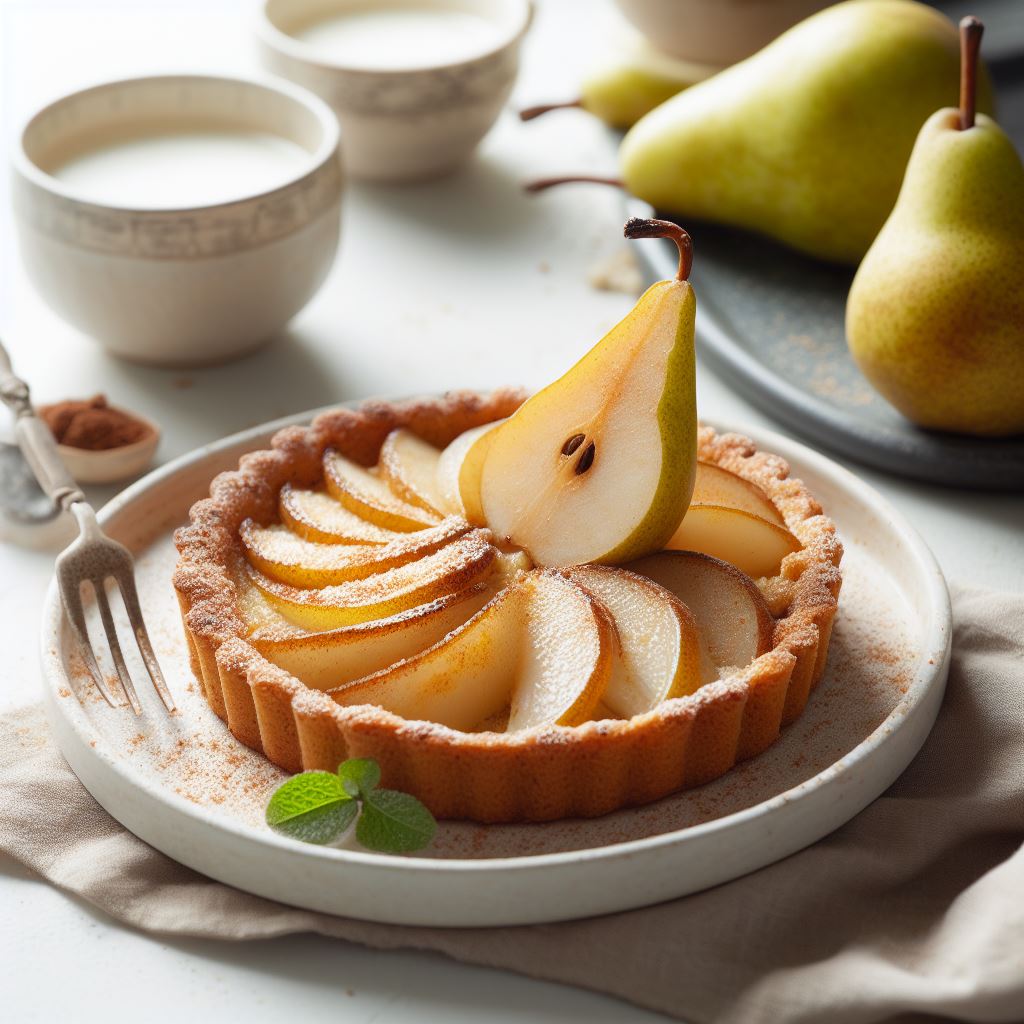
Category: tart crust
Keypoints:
(557, 772)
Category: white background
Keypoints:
(463, 282)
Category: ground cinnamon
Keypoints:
(92, 424)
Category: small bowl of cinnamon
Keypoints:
(99, 443)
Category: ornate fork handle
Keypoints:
(35, 439)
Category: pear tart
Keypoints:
(343, 597)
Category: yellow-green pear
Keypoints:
(808, 139)
(600, 465)
(935, 317)
(628, 83)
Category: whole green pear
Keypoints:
(935, 317)
(808, 139)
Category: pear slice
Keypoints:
(542, 644)
(318, 517)
(278, 553)
(730, 612)
(599, 466)
(662, 654)
(369, 497)
(455, 567)
(717, 486)
(463, 680)
(328, 659)
(408, 465)
(568, 652)
(752, 544)
(459, 470)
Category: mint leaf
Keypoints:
(359, 776)
(394, 822)
(312, 807)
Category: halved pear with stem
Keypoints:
(717, 486)
(455, 567)
(317, 516)
(282, 555)
(662, 654)
(729, 610)
(368, 496)
(542, 646)
(459, 470)
(599, 466)
(408, 465)
(752, 544)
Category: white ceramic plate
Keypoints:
(188, 788)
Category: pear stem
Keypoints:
(544, 108)
(572, 179)
(971, 29)
(642, 227)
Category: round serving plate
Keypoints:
(187, 787)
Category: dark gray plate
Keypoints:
(771, 323)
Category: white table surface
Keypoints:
(483, 286)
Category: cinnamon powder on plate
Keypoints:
(92, 424)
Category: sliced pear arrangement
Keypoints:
(566, 603)
(599, 466)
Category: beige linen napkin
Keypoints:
(913, 910)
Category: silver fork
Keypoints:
(92, 558)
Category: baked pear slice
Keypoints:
(328, 659)
(599, 466)
(752, 544)
(717, 486)
(368, 496)
(318, 517)
(453, 568)
(459, 470)
(408, 465)
(662, 654)
(730, 612)
(281, 555)
(542, 646)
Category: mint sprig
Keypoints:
(320, 807)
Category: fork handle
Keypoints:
(35, 438)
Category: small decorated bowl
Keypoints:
(181, 220)
(415, 88)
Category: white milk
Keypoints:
(183, 168)
(397, 38)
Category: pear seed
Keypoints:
(573, 443)
(586, 459)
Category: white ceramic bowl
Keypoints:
(406, 123)
(717, 32)
(184, 286)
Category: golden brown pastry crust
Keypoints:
(558, 772)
